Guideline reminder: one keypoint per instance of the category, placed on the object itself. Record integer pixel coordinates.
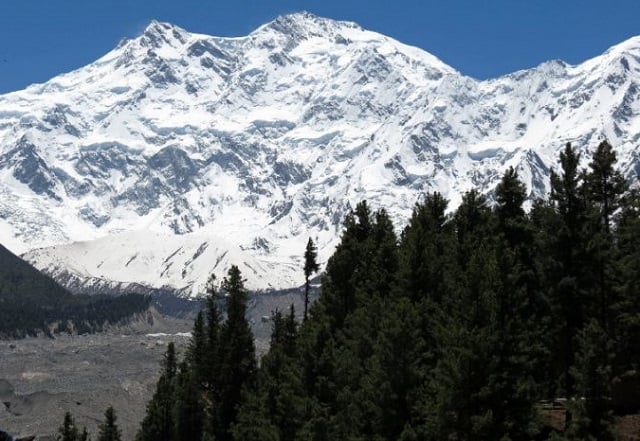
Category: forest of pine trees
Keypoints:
(458, 329)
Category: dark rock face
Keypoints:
(175, 166)
(30, 169)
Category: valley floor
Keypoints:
(41, 378)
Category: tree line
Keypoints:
(32, 303)
(461, 328)
(108, 430)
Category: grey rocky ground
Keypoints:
(42, 378)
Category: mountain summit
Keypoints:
(177, 154)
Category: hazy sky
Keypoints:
(481, 38)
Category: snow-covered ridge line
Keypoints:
(177, 154)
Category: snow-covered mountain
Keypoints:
(177, 154)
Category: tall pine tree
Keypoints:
(159, 421)
(109, 430)
(237, 355)
(310, 266)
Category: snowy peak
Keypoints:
(630, 46)
(253, 144)
(304, 25)
(157, 31)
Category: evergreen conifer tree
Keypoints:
(276, 407)
(347, 269)
(567, 238)
(237, 354)
(518, 330)
(189, 413)
(109, 430)
(197, 351)
(605, 186)
(68, 431)
(592, 372)
(159, 422)
(423, 257)
(605, 183)
(212, 384)
(627, 308)
(310, 267)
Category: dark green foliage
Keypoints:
(605, 184)
(199, 399)
(68, 431)
(32, 303)
(237, 354)
(197, 352)
(346, 269)
(510, 196)
(192, 378)
(276, 407)
(392, 379)
(109, 430)
(422, 251)
(159, 422)
(564, 233)
(310, 266)
(456, 331)
(189, 414)
(593, 419)
(626, 311)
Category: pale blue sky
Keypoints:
(42, 38)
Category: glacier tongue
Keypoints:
(123, 169)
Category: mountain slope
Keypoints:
(32, 303)
(253, 144)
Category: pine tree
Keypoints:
(605, 186)
(567, 239)
(310, 266)
(68, 431)
(519, 305)
(384, 262)
(159, 422)
(237, 355)
(212, 384)
(197, 351)
(472, 222)
(510, 196)
(423, 254)
(108, 430)
(253, 423)
(347, 269)
(627, 308)
(388, 390)
(276, 407)
(189, 416)
(592, 372)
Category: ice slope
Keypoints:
(253, 144)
